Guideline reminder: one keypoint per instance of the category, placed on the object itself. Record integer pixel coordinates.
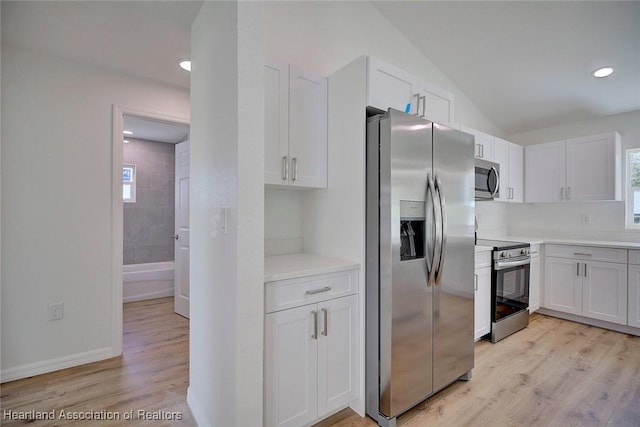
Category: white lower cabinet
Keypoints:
(633, 303)
(583, 286)
(311, 361)
(534, 279)
(482, 302)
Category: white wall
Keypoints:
(492, 219)
(283, 221)
(56, 205)
(324, 36)
(565, 219)
(227, 171)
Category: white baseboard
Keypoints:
(199, 415)
(149, 295)
(592, 322)
(51, 365)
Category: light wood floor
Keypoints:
(152, 375)
(553, 373)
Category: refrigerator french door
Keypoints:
(420, 261)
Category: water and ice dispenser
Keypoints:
(412, 229)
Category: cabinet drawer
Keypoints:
(587, 253)
(634, 257)
(483, 259)
(311, 289)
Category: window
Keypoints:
(633, 189)
(129, 183)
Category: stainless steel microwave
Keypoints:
(487, 180)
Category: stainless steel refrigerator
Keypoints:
(420, 261)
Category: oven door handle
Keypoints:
(503, 265)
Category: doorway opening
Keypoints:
(151, 211)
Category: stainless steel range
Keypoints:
(509, 287)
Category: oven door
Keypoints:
(510, 293)
(487, 180)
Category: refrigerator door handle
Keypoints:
(431, 268)
(444, 232)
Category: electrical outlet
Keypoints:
(56, 311)
(586, 219)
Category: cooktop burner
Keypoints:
(502, 244)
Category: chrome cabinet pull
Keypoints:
(476, 284)
(175, 236)
(294, 166)
(482, 151)
(478, 151)
(314, 335)
(585, 269)
(318, 291)
(582, 254)
(424, 106)
(325, 330)
(285, 168)
(577, 269)
(417, 96)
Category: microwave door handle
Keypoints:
(495, 190)
(431, 270)
(444, 232)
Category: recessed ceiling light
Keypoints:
(126, 141)
(185, 64)
(603, 72)
(127, 132)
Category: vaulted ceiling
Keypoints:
(525, 64)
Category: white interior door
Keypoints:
(182, 230)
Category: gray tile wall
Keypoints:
(149, 221)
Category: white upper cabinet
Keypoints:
(593, 167)
(484, 144)
(510, 158)
(295, 127)
(390, 87)
(516, 172)
(578, 169)
(276, 121)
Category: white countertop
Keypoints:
(283, 267)
(480, 248)
(561, 241)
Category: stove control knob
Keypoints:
(524, 252)
(503, 255)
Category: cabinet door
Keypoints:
(634, 296)
(483, 143)
(563, 285)
(501, 156)
(276, 121)
(545, 172)
(482, 303)
(307, 129)
(390, 87)
(438, 103)
(591, 168)
(291, 366)
(516, 172)
(337, 353)
(534, 283)
(605, 291)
